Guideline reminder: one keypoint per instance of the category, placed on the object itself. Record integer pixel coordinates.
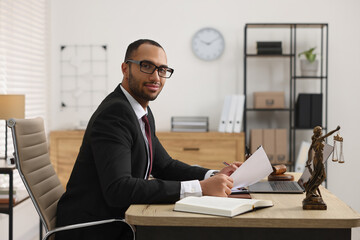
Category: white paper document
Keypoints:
(255, 168)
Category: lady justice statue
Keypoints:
(313, 198)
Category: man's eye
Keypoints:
(146, 65)
(162, 70)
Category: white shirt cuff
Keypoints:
(209, 173)
(190, 188)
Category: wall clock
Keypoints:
(208, 44)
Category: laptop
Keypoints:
(288, 186)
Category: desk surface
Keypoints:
(287, 212)
(6, 168)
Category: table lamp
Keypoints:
(11, 106)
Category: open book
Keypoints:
(220, 206)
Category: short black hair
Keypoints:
(135, 45)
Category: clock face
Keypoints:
(208, 44)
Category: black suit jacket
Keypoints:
(109, 171)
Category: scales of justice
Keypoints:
(313, 199)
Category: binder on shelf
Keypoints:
(308, 110)
(281, 148)
(224, 113)
(302, 156)
(316, 110)
(274, 141)
(303, 106)
(256, 139)
(239, 113)
(269, 143)
(231, 115)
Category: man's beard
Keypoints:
(136, 89)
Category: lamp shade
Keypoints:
(12, 106)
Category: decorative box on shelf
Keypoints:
(269, 100)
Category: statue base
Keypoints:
(314, 203)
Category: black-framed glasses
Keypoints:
(149, 68)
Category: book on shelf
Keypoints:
(6, 200)
(268, 44)
(5, 191)
(4, 195)
(265, 51)
(190, 124)
(220, 206)
(188, 129)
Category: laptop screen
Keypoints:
(328, 149)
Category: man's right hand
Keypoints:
(219, 185)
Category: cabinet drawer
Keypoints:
(206, 153)
(64, 148)
(68, 149)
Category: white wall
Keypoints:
(198, 87)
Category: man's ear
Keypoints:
(125, 69)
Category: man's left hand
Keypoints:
(228, 170)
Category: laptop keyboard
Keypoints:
(283, 186)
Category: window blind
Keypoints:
(24, 57)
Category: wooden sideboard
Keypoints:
(207, 149)
(64, 148)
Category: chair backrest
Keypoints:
(34, 166)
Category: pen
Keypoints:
(226, 164)
(247, 152)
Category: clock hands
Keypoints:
(210, 42)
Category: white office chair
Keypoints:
(39, 177)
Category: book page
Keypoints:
(219, 205)
(255, 168)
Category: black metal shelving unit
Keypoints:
(294, 77)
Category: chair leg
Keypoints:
(40, 230)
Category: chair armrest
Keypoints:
(86, 224)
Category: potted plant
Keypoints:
(309, 66)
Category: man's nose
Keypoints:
(155, 75)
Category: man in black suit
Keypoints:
(116, 157)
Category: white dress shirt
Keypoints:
(188, 188)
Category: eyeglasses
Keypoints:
(149, 68)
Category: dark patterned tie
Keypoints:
(148, 136)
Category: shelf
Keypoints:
(296, 128)
(289, 54)
(268, 109)
(22, 196)
(286, 25)
(309, 77)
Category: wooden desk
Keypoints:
(285, 220)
